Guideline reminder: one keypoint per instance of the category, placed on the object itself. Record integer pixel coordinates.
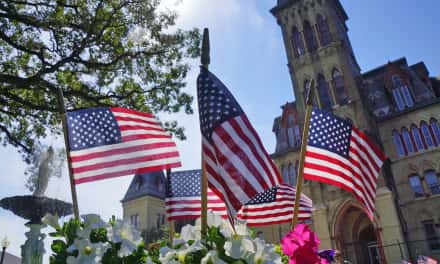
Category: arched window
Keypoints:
(338, 83)
(435, 127)
(427, 134)
(398, 143)
(292, 175)
(306, 91)
(324, 31)
(285, 174)
(407, 140)
(417, 137)
(309, 35)
(431, 179)
(402, 95)
(297, 41)
(297, 133)
(416, 186)
(324, 95)
(290, 132)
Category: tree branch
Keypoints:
(14, 140)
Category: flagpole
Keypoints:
(302, 155)
(171, 222)
(62, 109)
(205, 60)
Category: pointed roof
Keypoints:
(146, 184)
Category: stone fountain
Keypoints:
(33, 208)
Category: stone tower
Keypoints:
(318, 47)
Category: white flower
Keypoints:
(239, 247)
(168, 255)
(190, 232)
(183, 251)
(123, 232)
(217, 221)
(264, 253)
(51, 220)
(87, 252)
(211, 258)
(91, 221)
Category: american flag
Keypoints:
(237, 165)
(183, 199)
(339, 154)
(108, 142)
(275, 206)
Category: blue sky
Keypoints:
(247, 53)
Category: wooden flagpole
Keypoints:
(62, 108)
(171, 222)
(205, 60)
(299, 180)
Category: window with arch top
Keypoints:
(435, 127)
(417, 137)
(285, 173)
(306, 91)
(292, 175)
(416, 186)
(431, 179)
(398, 143)
(298, 43)
(309, 35)
(427, 136)
(401, 93)
(324, 93)
(407, 140)
(338, 83)
(324, 31)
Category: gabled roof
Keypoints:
(382, 68)
(146, 184)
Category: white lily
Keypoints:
(123, 232)
(87, 252)
(91, 221)
(168, 256)
(190, 232)
(212, 258)
(217, 221)
(264, 254)
(239, 247)
(183, 251)
(51, 220)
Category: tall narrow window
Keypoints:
(427, 134)
(324, 95)
(398, 143)
(309, 35)
(417, 137)
(431, 179)
(324, 31)
(416, 186)
(285, 174)
(306, 91)
(292, 174)
(290, 132)
(338, 83)
(398, 99)
(401, 93)
(297, 134)
(436, 129)
(297, 41)
(407, 96)
(407, 140)
(431, 235)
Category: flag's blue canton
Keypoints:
(92, 127)
(329, 132)
(216, 103)
(184, 184)
(267, 196)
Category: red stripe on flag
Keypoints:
(128, 172)
(129, 111)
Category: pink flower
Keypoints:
(301, 246)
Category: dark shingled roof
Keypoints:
(150, 184)
(146, 184)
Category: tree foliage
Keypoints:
(99, 52)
